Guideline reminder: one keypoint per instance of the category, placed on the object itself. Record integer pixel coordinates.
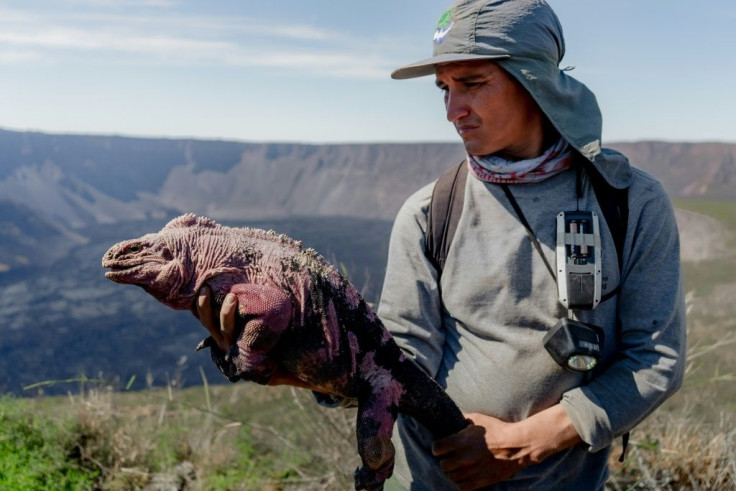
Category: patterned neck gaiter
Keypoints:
(491, 168)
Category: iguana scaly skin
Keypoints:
(297, 314)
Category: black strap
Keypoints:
(614, 204)
(528, 228)
(624, 445)
(444, 213)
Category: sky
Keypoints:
(317, 71)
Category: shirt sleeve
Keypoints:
(410, 306)
(650, 360)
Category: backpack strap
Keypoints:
(614, 204)
(444, 214)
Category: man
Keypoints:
(479, 327)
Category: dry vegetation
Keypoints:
(689, 443)
(245, 437)
(671, 451)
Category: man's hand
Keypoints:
(490, 450)
(475, 456)
(223, 332)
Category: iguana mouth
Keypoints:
(120, 271)
(123, 269)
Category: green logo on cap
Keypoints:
(443, 27)
(445, 20)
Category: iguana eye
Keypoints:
(134, 248)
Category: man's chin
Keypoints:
(474, 147)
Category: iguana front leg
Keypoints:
(377, 411)
(267, 312)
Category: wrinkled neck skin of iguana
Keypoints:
(198, 261)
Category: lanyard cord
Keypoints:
(520, 214)
(528, 228)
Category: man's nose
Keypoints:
(456, 106)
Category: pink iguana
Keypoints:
(297, 314)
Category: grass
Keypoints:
(710, 287)
(723, 211)
(237, 437)
(37, 453)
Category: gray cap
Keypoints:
(525, 38)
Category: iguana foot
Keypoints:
(373, 479)
(253, 367)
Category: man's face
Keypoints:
(491, 111)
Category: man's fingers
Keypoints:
(450, 464)
(464, 478)
(442, 447)
(459, 461)
(204, 311)
(223, 332)
(227, 318)
(453, 442)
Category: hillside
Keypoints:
(687, 170)
(65, 198)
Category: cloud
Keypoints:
(122, 3)
(335, 64)
(175, 39)
(17, 56)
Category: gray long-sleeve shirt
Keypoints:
(482, 338)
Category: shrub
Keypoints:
(37, 452)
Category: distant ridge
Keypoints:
(72, 181)
(64, 183)
(687, 170)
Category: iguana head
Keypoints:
(165, 264)
(148, 262)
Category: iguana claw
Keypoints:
(205, 343)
